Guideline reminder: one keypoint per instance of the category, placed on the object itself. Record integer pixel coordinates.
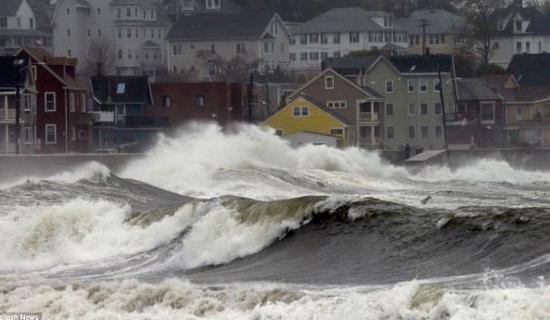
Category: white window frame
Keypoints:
(327, 86)
(27, 135)
(46, 94)
(337, 104)
(54, 126)
(423, 83)
(481, 113)
(409, 110)
(81, 134)
(386, 109)
(337, 135)
(427, 109)
(388, 132)
(392, 87)
(409, 81)
(27, 102)
(422, 131)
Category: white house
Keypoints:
(340, 31)
(18, 27)
(520, 30)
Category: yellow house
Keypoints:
(305, 115)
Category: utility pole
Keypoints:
(17, 63)
(424, 24)
(443, 117)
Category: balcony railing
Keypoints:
(368, 116)
(461, 118)
(103, 116)
(7, 115)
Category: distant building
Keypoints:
(181, 102)
(479, 118)
(201, 42)
(361, 106)
(340, 31)
(441, 33)
(62, 121)
(520, 29)
(18, 27)
(306, 120)
(120, 105)
(180, 8)
(8, 85)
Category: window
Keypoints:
(437, 85)
(314, 56)
(303, 39)
(519, 114)
(99, 32)
(389, 86)
(34, 72)
(324, 38)
(82, 134)
(118, 13)
(3, 22)
(279, 132)
(72, 102)
(68, 32)
(329, 82)
(336, 38)
(120, 88)
(519, 26)
(337, 104)
(213, 48)
(424, 132)
(424, 108)
(354, 37)
(68, 11)
(518, 47)
(121, 110)
(213, 4)
(19, 22)
(128, 12)
(337, 54)
(241, 48)
(129, 53)
(73, 133)
(337, 132)
(199, 101)
(438, 108)
(176, 50)
(528, 46)
(292, 56)
(389, 133)
(389, 109)
(27, 135)
(166, 101)
(423, 85)
(303, 56)
(410, 85)
(487, 112)
(27, 102)
(412, 110)
(120, 54)
(438, 132)
(51, 134)
(314, 38)
(411, 132)
(324, 55)
(296, 111)
(300, 112)
(305, 111)
(69, 53)
(83, 103)
(49, 102)
(98, 11)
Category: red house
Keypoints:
(63, 124)
(190, 101)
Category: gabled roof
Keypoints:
(531, 69)
(365, 90)
(220, 26)
(121, 89)
(227, 6)
(350, 65)
(9, 8)
(422, 63)
(354, 19)
(475, 89)
(341, 118)
(440, 21)
(8, 72)
(539, 22)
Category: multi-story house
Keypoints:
(119, 107)
(181, 102)
(201, 42)
(140, 28)
(177, 9)
(360, 106)
(527, 111)
(18, 27)
(414, 108)
(9, 81)
(62, 120)
(340, 31)
(436, 29)
(520, 29)
(479, 118)
(125, 36)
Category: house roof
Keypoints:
(518, 94)
(440, 21)
(9, 8)
(227, 6)
(321, 106)
(422, 63)
(121, 89)
(220, 26)
(350, 65)
(8, 72)
(539, 22)
(529, 69)
(353, 19)
(475, 89)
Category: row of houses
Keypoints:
(155, 37)
(407, 104)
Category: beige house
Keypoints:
(200, 42)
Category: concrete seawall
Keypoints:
(40, 166)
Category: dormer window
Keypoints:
(500, 25)
(519, 26)
(213, 4)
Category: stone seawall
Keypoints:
(40, 166)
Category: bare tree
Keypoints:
(236, 69)
(101, 57)
(541, 5)
(481, 25)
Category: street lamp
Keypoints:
(18, 63)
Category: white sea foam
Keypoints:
(176, 299)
